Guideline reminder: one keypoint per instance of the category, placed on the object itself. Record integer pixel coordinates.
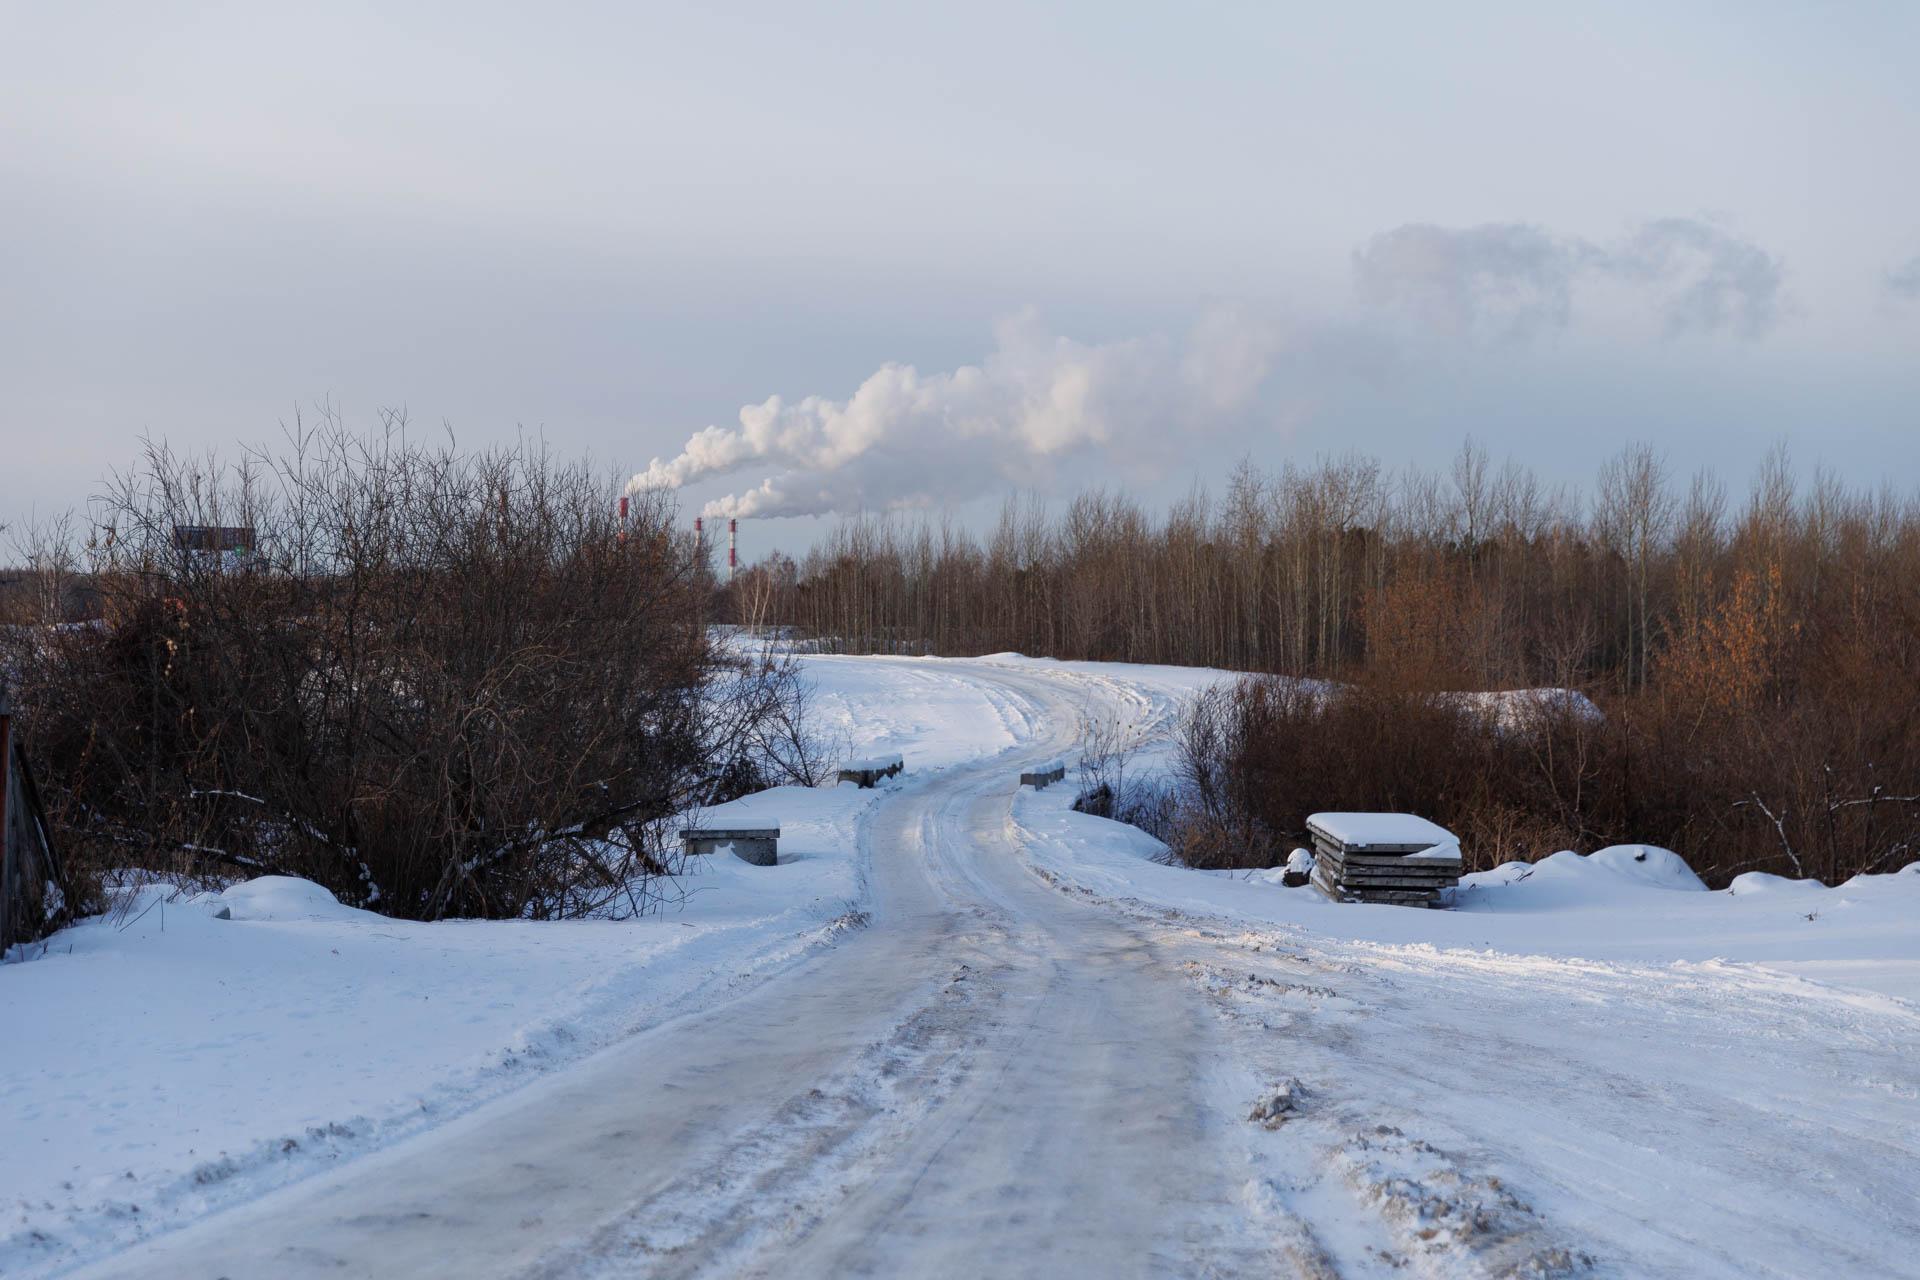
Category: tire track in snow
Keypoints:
(777, 1182)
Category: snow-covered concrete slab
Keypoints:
(1397, 831)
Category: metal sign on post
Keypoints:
(218, 546)
(215, 539)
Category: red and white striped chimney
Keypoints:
(733, 547)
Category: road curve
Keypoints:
(993, 1079)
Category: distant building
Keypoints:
(215, 546)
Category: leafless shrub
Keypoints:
(1105, 744)
(1108, 786)
(438, 682)
(785, 737)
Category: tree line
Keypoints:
(1755, 657)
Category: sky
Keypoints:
(796, 260)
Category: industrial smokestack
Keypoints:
(733, 547)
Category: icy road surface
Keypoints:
(1009, 1073)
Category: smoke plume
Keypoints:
(1038, 402)
(1904, 282)
(1512, 280)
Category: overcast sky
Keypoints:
(995, 243)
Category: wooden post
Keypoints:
(29, 868)
(6, 822)
(6, 786)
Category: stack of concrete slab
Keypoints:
(869, 772)
(758, 845)
(1041, 775)
(1395, 858)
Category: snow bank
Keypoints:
(1629, 903)
(1567, 879)
(287, 898)
(1518, 709)
(1647, 864)
(1756, 883)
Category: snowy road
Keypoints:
(990, 1077)
(1007, 1075)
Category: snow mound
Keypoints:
(1756, 883)
(1522, 709)
(1909, 874)
(285, 898)
(1566, 879)
(1648, 864)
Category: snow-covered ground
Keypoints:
(1631, 903)
(1591, 1064)
(166, 1063)
(1049, 1051)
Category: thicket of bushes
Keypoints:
(1731, 787)
(439, 683)
(1757, 662)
